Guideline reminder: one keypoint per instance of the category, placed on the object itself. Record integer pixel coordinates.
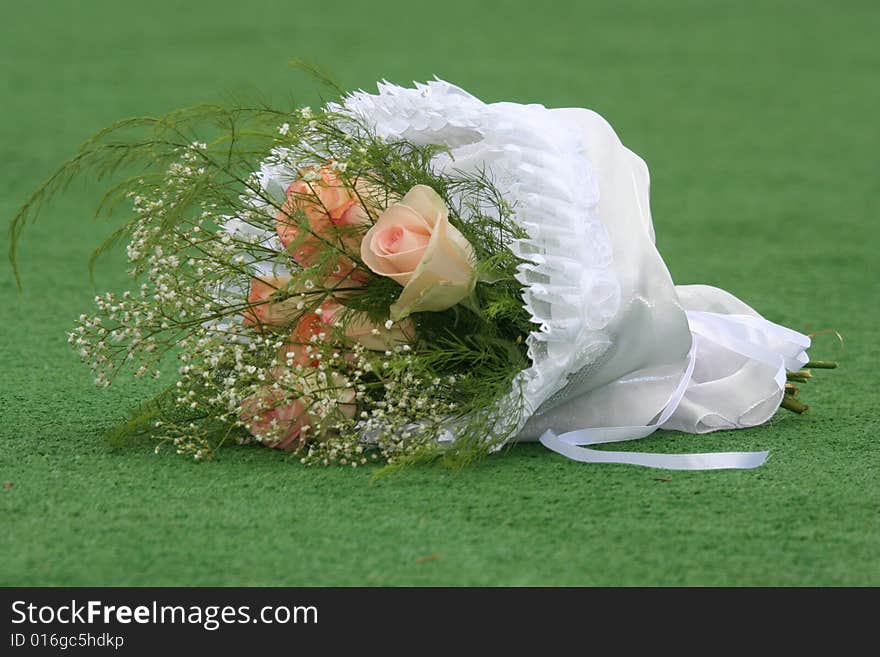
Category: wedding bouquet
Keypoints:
(408, 276)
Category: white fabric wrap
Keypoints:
(618, 349)
(739, 369)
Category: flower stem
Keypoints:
(801, 376)
(822, 364)
(792, 404)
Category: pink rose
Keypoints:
(335, 216)
(414, 243)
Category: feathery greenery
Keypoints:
(179, 178)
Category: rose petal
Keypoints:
(426, 203)
(405, 217)
(360, 329)
(382, 262)
(262, 312)
(354, 215)
(262, 408)
(433, 294)
(443, 277)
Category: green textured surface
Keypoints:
(759, 123)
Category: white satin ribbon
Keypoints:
(754, 337)
(567, 445)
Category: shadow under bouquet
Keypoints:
(407, 276)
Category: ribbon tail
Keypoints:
(708, 461)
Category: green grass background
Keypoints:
(759, 123)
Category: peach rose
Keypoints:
(414, 243)
(310, 325)
(376, 337)
(284, 423)
(264, 313)
(334, 213)
(380, 337)
(280, 421)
